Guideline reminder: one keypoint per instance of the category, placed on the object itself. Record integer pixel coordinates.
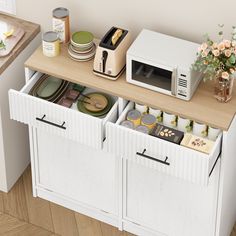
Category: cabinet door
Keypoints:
(169, 205)
(77, 172)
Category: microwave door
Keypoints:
(152, 77)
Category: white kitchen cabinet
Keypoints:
(133, 181)
(68, 165)
(14, 144)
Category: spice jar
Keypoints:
(127, 124)
(134, 116)
(61, 23)
(142, 129)
(51, 44)
(148, 120)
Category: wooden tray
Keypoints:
(12, 41)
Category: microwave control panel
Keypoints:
(182, 86)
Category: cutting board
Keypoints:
(11, 41)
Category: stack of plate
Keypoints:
(95, 104)
(82, 47)
(49, 88)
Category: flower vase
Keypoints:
(223, 88)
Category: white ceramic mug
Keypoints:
(169, 120)
(184, 124)
(157, 113)
(213, 133)
(199, 129)
(141, 108)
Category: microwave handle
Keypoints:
(174, 82)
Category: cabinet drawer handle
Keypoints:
(51, 123)
(152, 158)
(213, 167)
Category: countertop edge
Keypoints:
(24, 42)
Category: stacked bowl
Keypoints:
(82, 47)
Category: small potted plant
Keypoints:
(217, 61)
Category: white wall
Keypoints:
(188, 19)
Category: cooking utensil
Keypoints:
(97, 105)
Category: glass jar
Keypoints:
(223, 89)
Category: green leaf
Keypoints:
(228, 64)
(232, 59)
(220, 33)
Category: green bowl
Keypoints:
(82, 37)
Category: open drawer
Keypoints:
(167, 157)
(67, 122)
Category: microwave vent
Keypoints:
(182, 83)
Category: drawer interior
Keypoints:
(26, 89)
(131, 105)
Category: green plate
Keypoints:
(82, 37)
(49, 87)
(81, 108)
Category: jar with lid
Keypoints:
(134, 116)
(148, 120)
(61, 23)
(51, 44)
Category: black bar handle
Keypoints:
(212, 169)
(51, 123)
(152, 158)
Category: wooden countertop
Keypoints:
(202, 107)
(31, 30)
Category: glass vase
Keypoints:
(223, 89)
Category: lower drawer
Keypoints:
(59, 120)
(169, 158)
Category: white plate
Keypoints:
(83, 56)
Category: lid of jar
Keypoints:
(50, 36)
(127, 124)
(133, 115)
(148, 119)
(60, 12)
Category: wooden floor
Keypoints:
(11, 226)
(23, 215)
(20, 204)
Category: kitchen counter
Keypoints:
(31, 30)
(202, 107)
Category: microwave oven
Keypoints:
(163, 63)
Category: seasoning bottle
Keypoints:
(61, 23)
(134, 116)
(51, 44)
(127, 124)
(148, 120)
(142, 129)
